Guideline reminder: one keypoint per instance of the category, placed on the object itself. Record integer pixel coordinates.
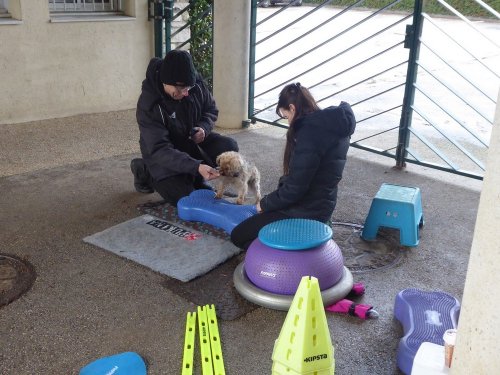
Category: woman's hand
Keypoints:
(207, 172)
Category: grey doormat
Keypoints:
(167, 247)
(168, 212)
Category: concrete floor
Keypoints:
(64, 179)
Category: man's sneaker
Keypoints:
(141, 177)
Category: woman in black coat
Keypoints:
(313, 162)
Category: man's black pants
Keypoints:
(174, 188)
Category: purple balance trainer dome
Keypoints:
(280, 271)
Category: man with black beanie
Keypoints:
(176, 114)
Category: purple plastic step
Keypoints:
(425, 316)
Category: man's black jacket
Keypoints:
(165, 124)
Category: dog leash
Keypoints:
(203, 154)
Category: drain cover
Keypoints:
(362, 256)
(16, 277)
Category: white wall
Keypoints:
(50, 69)
(476, 350)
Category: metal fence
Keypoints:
(423, 87)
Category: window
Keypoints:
(88, 10)
(7, 11)
(4, 5)
(87, 6)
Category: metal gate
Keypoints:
(423, 87)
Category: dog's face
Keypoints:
(229, 164)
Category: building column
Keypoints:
(231, 53)
(476, 350)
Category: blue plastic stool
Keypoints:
(397, 207)
(295, 234)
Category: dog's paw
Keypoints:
(218, 195)
(240, 200)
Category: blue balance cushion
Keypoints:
(295, 234)
(425, 316)
(128, 363)
(201, 205)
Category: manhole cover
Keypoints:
(16, 277)
(362, 256)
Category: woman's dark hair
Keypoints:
(304, 103)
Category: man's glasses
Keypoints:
(182, 89)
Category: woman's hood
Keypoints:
(339, 119)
